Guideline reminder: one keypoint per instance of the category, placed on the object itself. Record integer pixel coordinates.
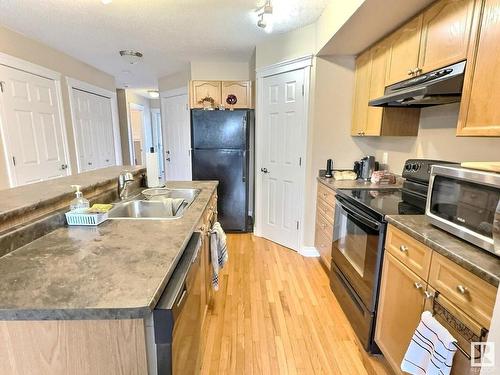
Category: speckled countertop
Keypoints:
(116, 270)
(357, 184)
(472, 258)
(16, 201)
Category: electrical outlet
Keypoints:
(385, 158)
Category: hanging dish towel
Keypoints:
(431, 349)
(218, 252)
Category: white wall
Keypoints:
(220, 71)
(17, 45)
(176, 80)
(286, 46)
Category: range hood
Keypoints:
(441, 86)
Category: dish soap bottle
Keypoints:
(79, 202)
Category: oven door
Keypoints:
(356, 249)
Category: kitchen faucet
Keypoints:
(124, 180)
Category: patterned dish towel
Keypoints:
(218, 252)
(431, 349)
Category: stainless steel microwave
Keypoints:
(466, 203)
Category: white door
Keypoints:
(177, 134)
(93, 127)
(283, 144)
(33, 127)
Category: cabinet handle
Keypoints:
(428, 295)
(403, 248)
(323, 226)
(462, 289)
(411, 72)
(325, 195)
(417, 71)
(417, 285)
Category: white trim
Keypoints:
(285, 66)
(304, 63)
(174, 92)
(30, 68)
(309, 252)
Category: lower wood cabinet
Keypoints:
(401, 303)
(414, 278)
(325, 214)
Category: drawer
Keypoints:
(210, 210)
(324, 225)
(412, 253)
(467, 291)
(326, 194)
(324, 246)
(326, 210)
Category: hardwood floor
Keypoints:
(275, 314)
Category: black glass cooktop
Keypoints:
(383, 201)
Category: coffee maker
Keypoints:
(365, 167)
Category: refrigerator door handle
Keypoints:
(244, 178)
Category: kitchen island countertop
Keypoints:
(117, 270)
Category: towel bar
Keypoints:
(458, 325)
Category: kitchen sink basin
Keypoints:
(171, 204)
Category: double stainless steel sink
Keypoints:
(155, 204)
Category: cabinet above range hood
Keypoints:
(441, 86)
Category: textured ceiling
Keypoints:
(170, 33)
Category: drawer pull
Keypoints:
(418, 285)
(325, 195)
(323, 226)
(403, 248)
(462, 289)
(428, 295)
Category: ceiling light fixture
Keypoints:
(265, 16)
(131, 56)
(106, 2)
(153, 94)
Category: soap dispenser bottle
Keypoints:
(79, 202)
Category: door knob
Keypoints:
(64, 166)
(167, 159)
(264, 170)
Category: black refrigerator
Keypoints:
(221, 149)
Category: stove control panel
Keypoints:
(420, 169)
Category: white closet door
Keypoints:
(177, 129)
(33, 127)
(93, 126)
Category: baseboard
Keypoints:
(309, 252)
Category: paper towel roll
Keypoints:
(152, 169)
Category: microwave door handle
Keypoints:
(372, 224)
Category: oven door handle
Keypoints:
(358, 215)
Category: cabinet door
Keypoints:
(241, 89)
(446, 29)
(203, 89)
(377, 86)
(401, 303)
(361, 93)
(403, 51)
(479, 114)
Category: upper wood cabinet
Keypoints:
(219, 90)
(371, 68)
(401, 303)
(479, 114)
(446, 30)
(404, 46)
(361, 93)
(203, 89)
(241, 89)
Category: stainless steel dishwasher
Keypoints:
(178, 316)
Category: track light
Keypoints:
(265, 16)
